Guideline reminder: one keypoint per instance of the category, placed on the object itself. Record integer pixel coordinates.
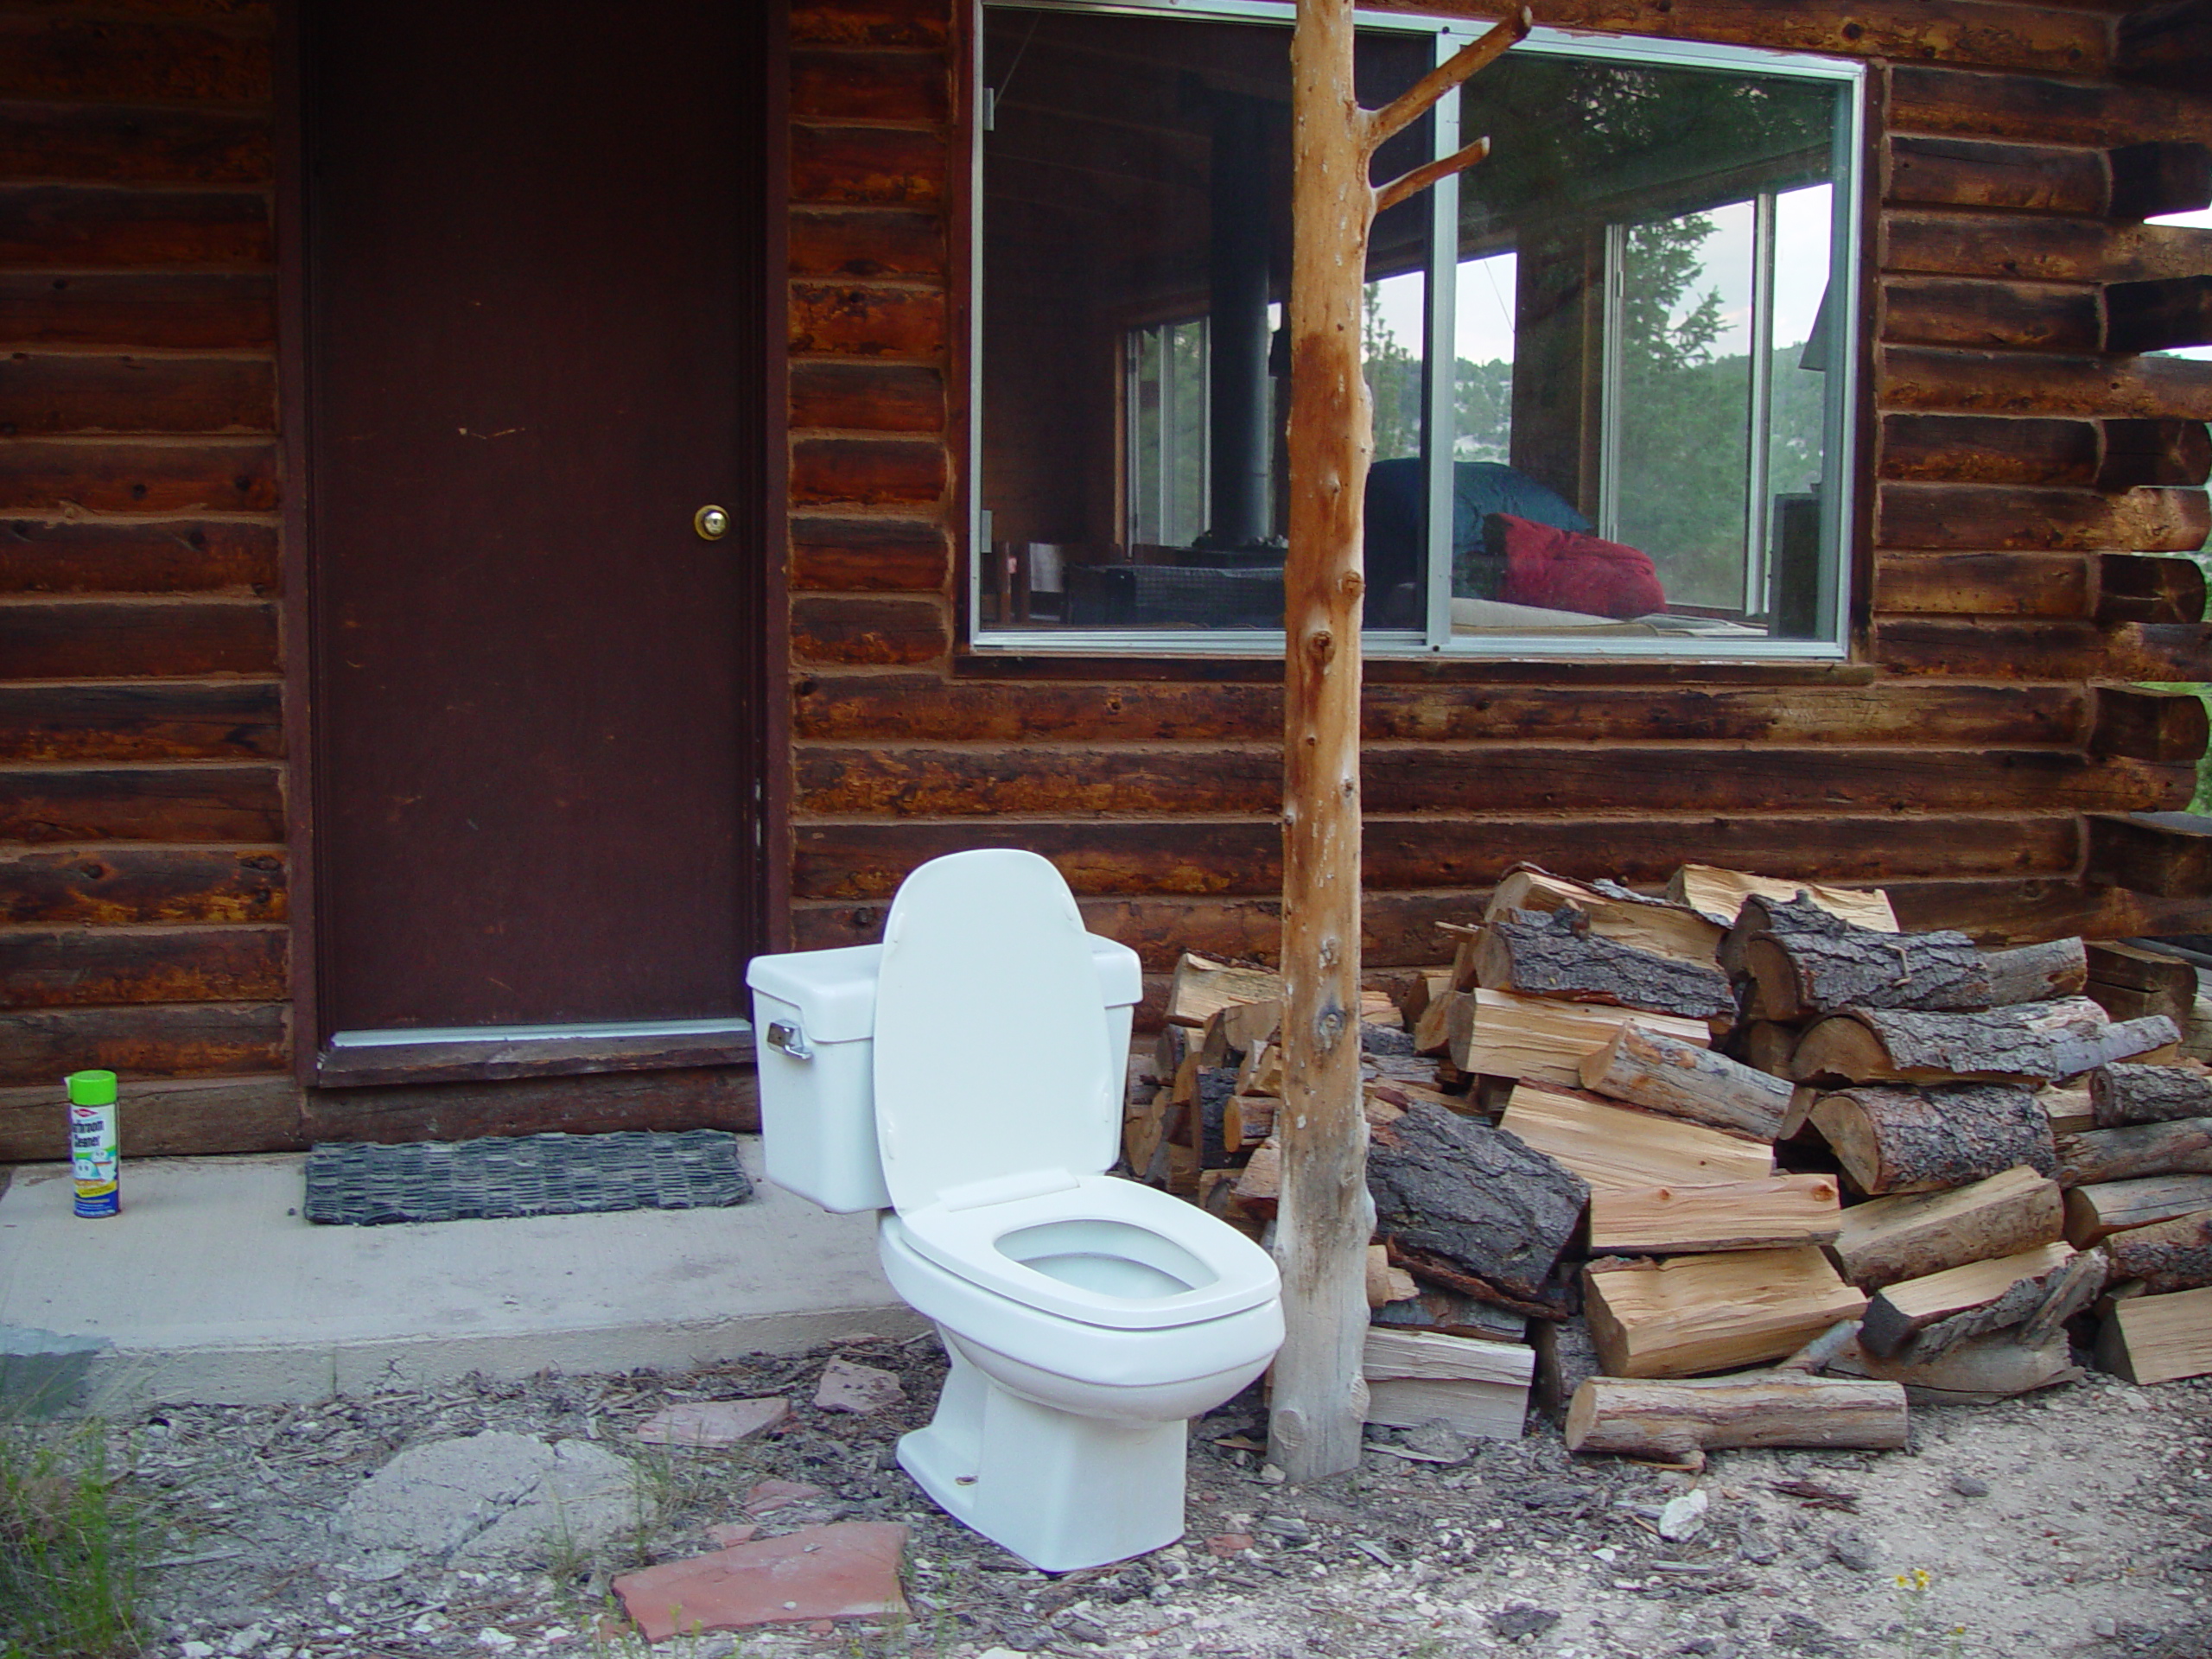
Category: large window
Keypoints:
(1611, 366)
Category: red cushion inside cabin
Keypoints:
(1562, 570)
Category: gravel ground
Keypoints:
(2077, 1522)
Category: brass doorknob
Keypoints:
(712, 523)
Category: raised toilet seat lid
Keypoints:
(992, 1244)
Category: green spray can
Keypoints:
(95, 1148)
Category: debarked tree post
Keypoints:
(1325, 1216)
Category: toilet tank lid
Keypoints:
(835, 990)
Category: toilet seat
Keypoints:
(970, 1242)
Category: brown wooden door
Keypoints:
(533, 332)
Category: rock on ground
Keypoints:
(499, 1499)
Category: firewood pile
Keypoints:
(1744, 1165)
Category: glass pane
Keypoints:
(1683, 452)
(1482, 354)
(1797, 447)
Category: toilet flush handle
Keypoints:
(789, 1040)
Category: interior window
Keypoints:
(1639, 445)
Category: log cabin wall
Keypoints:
(2025, 477)
(2025, 472)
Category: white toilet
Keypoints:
(965, 1076)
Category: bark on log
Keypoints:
(2178, 1146)
(1558, 955)
(1964, 1301)
(1615, 913)
(2036, 973)
(1662, 1074)
(2122, 1094)
(1806, 961)
(1680, 1421)
(1915, 1140)
(2166, 1255)
(2047, 1041)
(1453, 1192)
(1980, 1370)
(1908, 1236)
(2092, 1213)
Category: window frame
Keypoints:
(1842, 392)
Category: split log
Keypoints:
(2032, 1042)
(1893, 1140)
(1610, 1146)
(1615, 912)
(2182, 1147)
(2036, 973)
(2067, 1105)
(1259, 1183)
(2148, 1093)
(1234, 1032)
(1496, 1033)
(2165, 1255)
(2159, 1339)
(1247, 1120)
(2004, 1292)
(1803, 961)
(1765, 1046)
(1721, 894)
(1202, 988)
(1418, 991)
(1908, 1237)
(1558, 955)
(2116, 1206)
(1259, 1072)
(1778, 1212)
(1385, 1283)
(1433, 1032)
(1479, 1388)
(1664, 1074)
(1692, 1313)
(1980, 1370)
(1680, 1421)
(1453, 1313)
(1473, 1206)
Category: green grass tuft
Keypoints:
(71, 1547)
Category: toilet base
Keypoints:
(1059, 1491)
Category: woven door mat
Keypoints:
(504, 1176)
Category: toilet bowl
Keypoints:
(1086, 1317)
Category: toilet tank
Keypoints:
(814, 1029)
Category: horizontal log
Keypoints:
(85, 639)
(2013, 178)
(1910, 1235)
(878, 707)
(2165, 1255)
(869, 23)
(2135, 588)
(958, 782)
(164, 1118)
(868, 396)
(1939, 98)
(1680, 1420)
(148, 311)
(1997, 517)
(1998, 912)
(865, 554)
(2044, 650)
(60, 226)
(1984, 584)
(2107, 1207)
(1984, 315)
(172, 720)
(868, 860)
(2165, 854)
(2181, 1147)
(226, 804)
(837, 629)
(2042, 382)
(2161, 725)
(2042, 250)
(876, 167)
(115, 887)
(867, 472)
(178, 556)
(145, 1041)
(98, 967)
(2175, 311)
(2159, 176)
(48, 53)
(844, 320)
(1997, 450)
(2166, 45)
(54, 396)
(2154, 452)
(866, 242)
(108, 142)
(909, 88)
(57, 475)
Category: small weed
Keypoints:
(1916, 1632)
(71, 1547)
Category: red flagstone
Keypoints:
(848, 1570)
(712, 1423)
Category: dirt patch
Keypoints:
(2079, 1521)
